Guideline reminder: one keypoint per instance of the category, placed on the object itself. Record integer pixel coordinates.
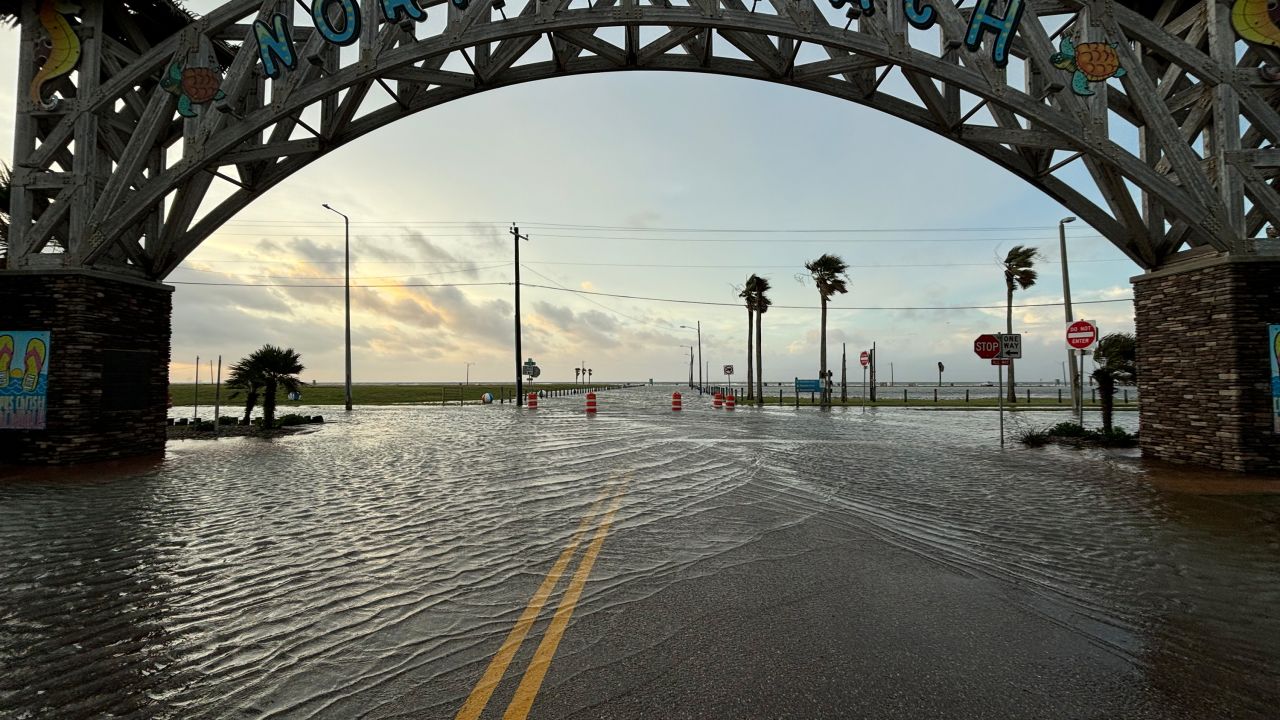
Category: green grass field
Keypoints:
(185, 394)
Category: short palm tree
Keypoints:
(762, 303)
(269, 369)
(829, 273)
(244, 378)
(1019, 273)
(1117, 358)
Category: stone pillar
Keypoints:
(1204, 374)
(108, 364)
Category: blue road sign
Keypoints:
(809, 386)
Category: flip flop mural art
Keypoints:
(1275, 377)
(24, 379)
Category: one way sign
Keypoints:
(1010, 345)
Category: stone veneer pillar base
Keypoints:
(108, 364)
(1204, 374)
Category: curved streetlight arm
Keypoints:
(346, 263)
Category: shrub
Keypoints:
(1033, 438)
(1066, 430)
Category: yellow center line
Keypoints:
(537, 670)
(498, 666)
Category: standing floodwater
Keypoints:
(371, 567)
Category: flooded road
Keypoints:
(760, 563)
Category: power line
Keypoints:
(775, 241)
(391, 285)
(665, 300)
(814, 307)
(360, 277)
(627, 265)
(501, 225)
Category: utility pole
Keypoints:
(1076, 392)
(690, 366)
(872, 386)
(516, 238)
(700, 358)
(844, 374)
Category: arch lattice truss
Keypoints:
(115, 160)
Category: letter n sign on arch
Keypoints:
(987, 346)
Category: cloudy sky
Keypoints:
(660, 185)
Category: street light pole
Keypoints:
(1076, 397)
(699, 329)
(346, 291)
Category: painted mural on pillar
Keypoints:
(1257, 21)
(193, 86)
(24, 379)
(1087, 62)
(59, 51)
(1275, 377)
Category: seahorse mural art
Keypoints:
(63, 45)
(1257, 21)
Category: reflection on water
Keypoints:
(339, 572)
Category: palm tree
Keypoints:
(6, 182)
(829, 274)
(576, 373)
(1117, 358)
(1018, 273)
(941, 367)
(762, 303)
(749, 295)
(270, 369)
(245, 378)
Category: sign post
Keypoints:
(728, 374)
(865, 359)
(988, 347)
(1081, 336)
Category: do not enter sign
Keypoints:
(1082, 334)
(865, 358)
(986, 346)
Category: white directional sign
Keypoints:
(1010, 346)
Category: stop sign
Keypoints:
(865, 359)
(986, 346)
(1082, 334)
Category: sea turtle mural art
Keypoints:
(1257, 21)
(1088, 62)
(193, 86)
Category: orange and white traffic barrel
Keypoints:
(717, 400)
(675, 401)
(532, 401)
(729, 401)
(591, 403)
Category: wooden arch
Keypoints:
(113, 162)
